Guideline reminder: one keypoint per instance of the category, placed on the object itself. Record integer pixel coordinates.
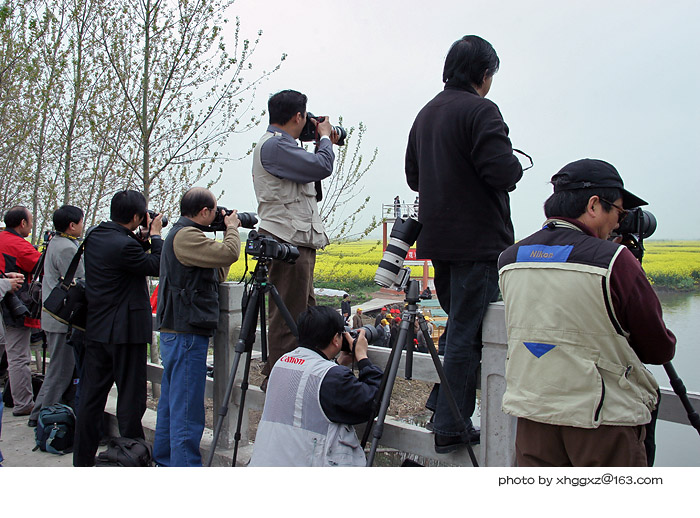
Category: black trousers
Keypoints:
(105, 364)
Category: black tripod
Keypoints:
(253, 305)
(408, 319)
(636, 246)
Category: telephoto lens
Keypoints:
(638, 221)
(372, 333)
(403, 235)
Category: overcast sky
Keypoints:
(614, 80)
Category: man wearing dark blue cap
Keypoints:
(582, 320)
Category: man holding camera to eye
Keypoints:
(287, 182)
(312, 401)
(460, 160)
(19, 256)
(582, 319)
(191, 268)
(119, 321)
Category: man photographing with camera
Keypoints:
(191, 268)
(312, 402)
(119, 320)
(287, 185)
(582, 319)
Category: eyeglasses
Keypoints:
(621, 213)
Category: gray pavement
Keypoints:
(17, 443)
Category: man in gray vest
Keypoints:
(284, 177)
(191, 268)
(312, 401)
(68, 222)
(582, 319)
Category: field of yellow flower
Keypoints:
(349, 266)
(673, 264)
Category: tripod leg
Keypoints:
(378, 428)
(380, 395)
(263, 330)
(241, 407)
(241, 347)
(444, 385)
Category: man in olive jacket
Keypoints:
(119, 321)
(192, 266)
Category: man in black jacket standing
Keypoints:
(119, 322)
(460, 160)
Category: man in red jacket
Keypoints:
(18, 255)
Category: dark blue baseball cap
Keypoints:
(589, 173)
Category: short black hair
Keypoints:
(14, 216)
(195, 200)
(468, 61)
(284, 105)
(317, 326)
(572, 203)
(125, 204)
(65, 215)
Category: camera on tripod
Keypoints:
(372, 334)
(247, 219)
(265, 247)
(391, 271)
(308, 134)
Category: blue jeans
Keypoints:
(464, 290)
(180, 421)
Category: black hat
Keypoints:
(588, 173)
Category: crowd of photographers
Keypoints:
(580, 314)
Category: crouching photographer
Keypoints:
(311, 425)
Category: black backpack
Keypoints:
(55, 429)
(126, 453)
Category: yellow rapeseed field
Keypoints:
(671, 264)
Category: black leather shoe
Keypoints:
(449, 443)
(32, 423)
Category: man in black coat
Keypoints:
(119, 321)
(460, 160)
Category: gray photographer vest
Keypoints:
(294, 429)
(287, 209)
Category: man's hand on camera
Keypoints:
(335, 137)
(231, 220)
(156, 225)
(360, 347)
(324, 128)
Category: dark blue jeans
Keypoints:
(464, 290)
(180, 418)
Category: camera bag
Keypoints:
(125, 453)
(55, 429)
(67, 302)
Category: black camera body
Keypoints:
(308, 134)
(247, 219)
(638, 225)
(265, 247)
(639, 222)
(153, 214)
(372, 334)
